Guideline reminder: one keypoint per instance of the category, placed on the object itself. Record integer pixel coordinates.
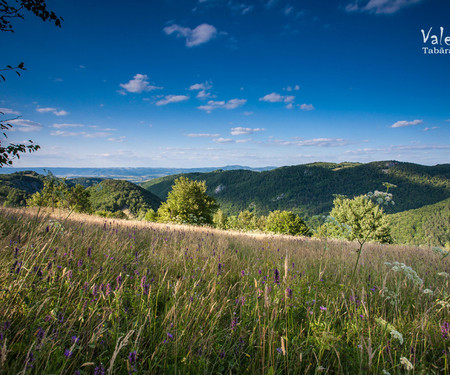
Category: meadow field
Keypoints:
(86, 295)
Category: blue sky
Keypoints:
(170, 83)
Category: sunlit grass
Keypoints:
(86, 295)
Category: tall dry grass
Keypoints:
(85, 295)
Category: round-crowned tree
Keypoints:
(286, 222)
(188, 203)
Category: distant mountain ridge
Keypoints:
(138, 174)
(309, 189)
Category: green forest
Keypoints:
(293, 200)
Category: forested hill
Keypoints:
(308, 189)
(119, 195)
(428, 225)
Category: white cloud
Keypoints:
(200, 86)
(172, 99)
(401, 124)
(315, 142)
(202, 89)
(230, 104)
(52, 110)
(25, 126)
(118, 140)
(240, 8)
(63, 133)
(61, 113)
(194, 37)
(202, 135)
(306, 107)
(243, 131)
(289, 106)
(290, 88)
(8, 111)
(379, 6)
(277, 98)
(63, 126)
(223, 140)
(138, 84)
(432, 128)
(248, 113)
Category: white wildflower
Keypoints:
(408, 365)
(397, 335)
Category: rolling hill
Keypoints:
(308, 189)
(428, 225)
(121, 195)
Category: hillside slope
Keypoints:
(428, 225)
(308, 189)
(16, 188)
(118, 195)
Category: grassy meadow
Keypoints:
(85, 295)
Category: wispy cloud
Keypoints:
(202, 135)
(63, 133)
(230, 104)
(172, 99)
(402, 124)
(194, 37)
(240, 8)
(243, 131)
(277, 98)
(138, 84)
(294, 88)
(306, 107)
(203, 90)
(379, 6)
(25, 126)
(9, 111)
(63, 126)
(315, 142)
(224, 140)
(432, 128)
(52, 110)
(120, 139)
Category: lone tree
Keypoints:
(11, 9)
(286, 222)
(364, 220)
(188, 203)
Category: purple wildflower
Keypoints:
(288, 293)
(108, 289)
(99, 370)
(68, 353)
(276, 276)
(445, 329)
(89, 252)
(132, 357)
(80, 263)
(219, 268)
(169, 335)
(75, 339)
(118, 281)
(40, 334)
(243, 273)
(323, 308)
(143, 280)
(234, 323)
